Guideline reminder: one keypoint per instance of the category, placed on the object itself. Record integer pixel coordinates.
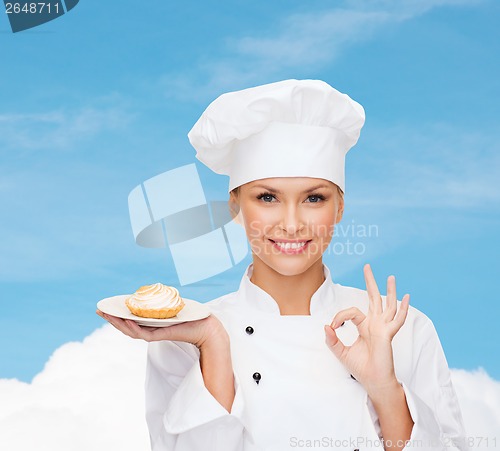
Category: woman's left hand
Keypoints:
(369, 359)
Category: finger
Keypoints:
(375, 301)
(391, 303)
(119, 324)
(176, 332)
(402, 313)
(351, 314)
(333, 342)
(147, 333)
(136, 330)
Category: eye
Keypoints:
(266, 197)
(315, 198)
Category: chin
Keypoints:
(289, 266)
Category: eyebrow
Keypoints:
(277, 191)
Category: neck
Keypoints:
(291, 293)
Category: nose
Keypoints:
(291, 222)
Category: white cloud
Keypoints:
(319, 37)
(90, 397)
(58, 129)
(479, 397)
(310, 40)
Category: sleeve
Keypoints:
(182, 415)
(431, 398)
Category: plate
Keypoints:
(115, 306)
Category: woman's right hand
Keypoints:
(199, 333)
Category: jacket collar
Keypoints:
(322, 301)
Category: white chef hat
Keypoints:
(291, 128)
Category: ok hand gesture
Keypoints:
(369, 359)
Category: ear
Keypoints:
(340, 209)
(234, 205)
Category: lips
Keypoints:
(289, 246)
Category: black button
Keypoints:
(343, 322)
(257, 377)
(249, 330)
(352, 377)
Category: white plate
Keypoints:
(115, 306)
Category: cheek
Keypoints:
(255, 223)
(258, 221)
(323, 225)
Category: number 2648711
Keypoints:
(32, 8)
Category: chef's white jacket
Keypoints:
(305, 398)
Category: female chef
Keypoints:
(291, 359)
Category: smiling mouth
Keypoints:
(290, 245)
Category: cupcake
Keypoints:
(155, 301)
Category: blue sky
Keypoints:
(101, 99)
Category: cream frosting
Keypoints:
(155, 297)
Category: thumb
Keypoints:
(333, 342)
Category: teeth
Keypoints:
(291, 245)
